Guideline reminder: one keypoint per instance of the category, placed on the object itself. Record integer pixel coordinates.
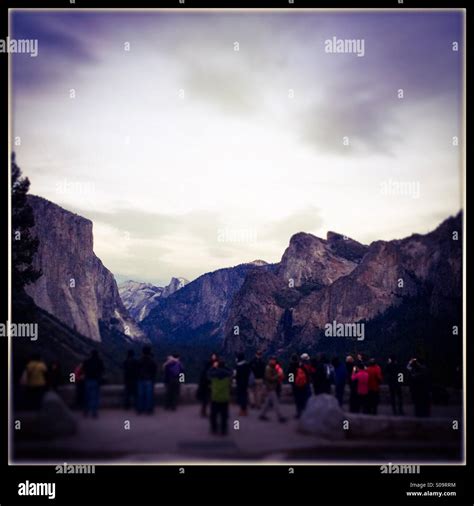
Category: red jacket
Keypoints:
(281, 374)
(375, 377)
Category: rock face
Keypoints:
(318, 282)
(174, 285)
(199, 310)
(75, 286)
(426, 266)
(140, 298)
(262, 310)
(311, 262)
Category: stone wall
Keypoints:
(111, 395)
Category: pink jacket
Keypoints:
(362, 378)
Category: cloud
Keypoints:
(360, 98)
(306, 220)
(228, 89)
(141, 243)
(62, 47)
(169, 174)
(351, 125)
(141, 224)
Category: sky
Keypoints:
(201, 140)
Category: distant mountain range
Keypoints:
(285, 306)
(408, 293)
(197, 313)
(321, 281)
(139, 298)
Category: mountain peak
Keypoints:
(304, 237)
(345, 247)
(258, 262)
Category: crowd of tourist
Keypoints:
(256, 384)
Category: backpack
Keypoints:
(301, 379)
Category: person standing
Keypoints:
(146, 382)
(220, 378)
(302, 383)
(93, 375)
(375, 379)
(271, 379)
(353, 405)
(281, 378)
(79, 400)
(321, 375)
(130, 379)
(173, 369)
(420, 386)
(242, 375)
(340, 378)
(292, 371)
(203, 393)
(257, 365)
(362, 377)
(54, 375)
(35, 381)
(395, 380)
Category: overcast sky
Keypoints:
(191, 156)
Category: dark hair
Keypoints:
(240, 356)
(294, 357)
(146, 350)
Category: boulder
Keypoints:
(55, 419)
(323, 417)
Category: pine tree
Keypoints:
(24, 244)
